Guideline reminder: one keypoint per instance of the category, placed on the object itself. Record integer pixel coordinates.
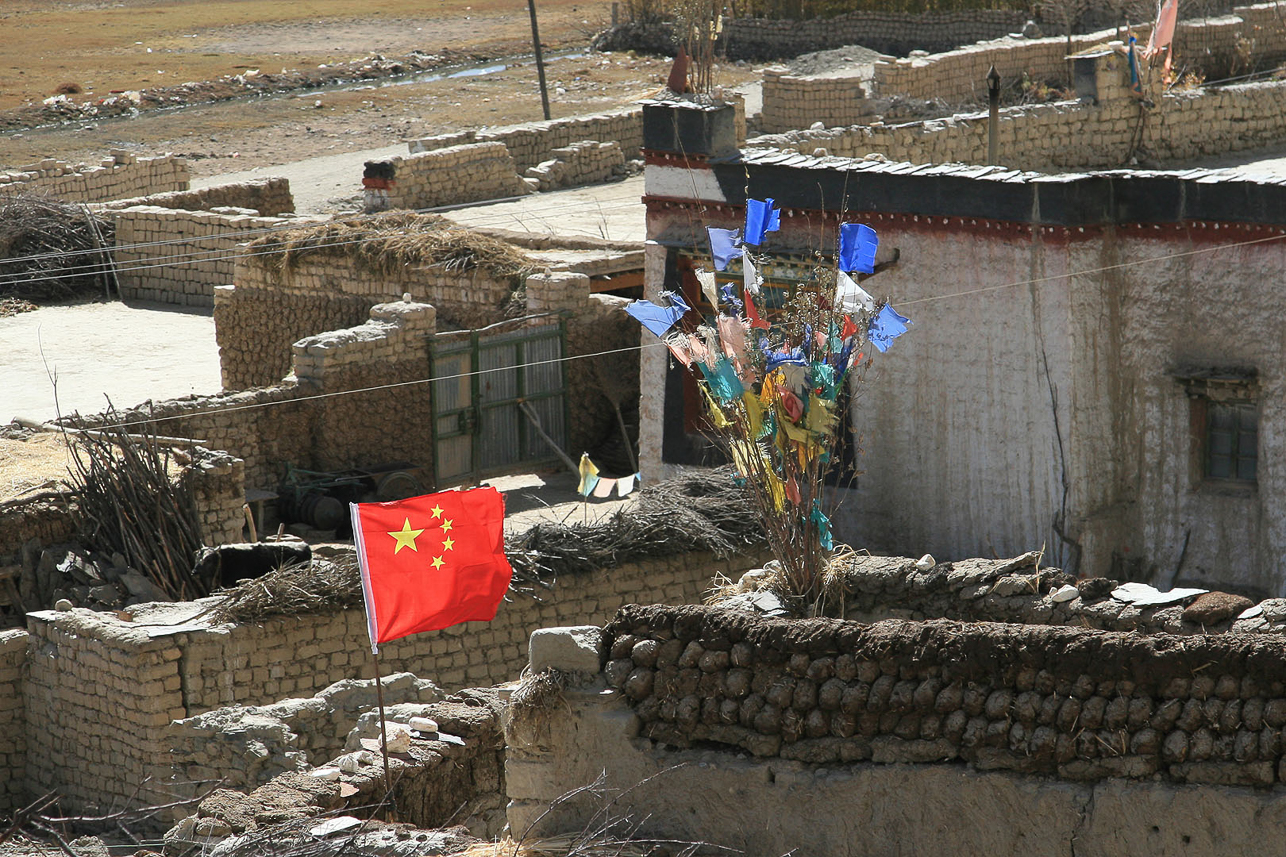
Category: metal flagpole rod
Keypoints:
(379, 696)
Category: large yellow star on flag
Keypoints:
(405, 537)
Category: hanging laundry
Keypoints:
(857, 245)
(588, 475)
(750, 279)
(708, 286)
(752, 313)
(761, 217)
(625, 485)
(725, 245)
(885, 327)
(658, 319)
(849, 296)
(604, 487)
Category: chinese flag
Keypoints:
(431, 562)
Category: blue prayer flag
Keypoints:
(658, 319)
(761, 217)
(886, 326)
(725, 245)
(857, 245)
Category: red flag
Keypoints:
(431, 562)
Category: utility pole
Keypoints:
(540, 59)
(993, 115)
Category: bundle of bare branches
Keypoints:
(698, 510)
(293, 590)
(52, 250)
(133, 501)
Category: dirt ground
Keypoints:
(102, 47)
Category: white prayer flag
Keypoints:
(708, 287)
(752, 278)
(849, 295)
(625, 484)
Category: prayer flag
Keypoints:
(625, 485)
(725, 245)
(588, 475)
(708, 287)
(431, 562)
(658, 319)
(849, 296)
(761, 217)
(750, 277)
(885, 327)
(1136, 83)
(752, 313)
(1163, 32)
(857, 245)
(604, 487)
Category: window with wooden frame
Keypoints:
(1224, 425)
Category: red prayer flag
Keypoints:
(431, 562)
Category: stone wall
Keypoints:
(1013, 739)
(40, 523)
(117, 176)
(13, 748)
(793, 102)
(456, 174)
(586, 162)
(532, 142)
(453, 777)
(1052, 137)
(101, 691)
(217, 482)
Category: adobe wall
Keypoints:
(1013, 739)
(268, 197)
(530, 143)
(456, 174)
(1220, 46)
(101, 692)
(1052, 137)
(887, 32)
(119, 175)
(13, 744)
(269, 426)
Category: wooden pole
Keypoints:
(379, 696)
(540, 59)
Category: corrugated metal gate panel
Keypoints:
(477, 417)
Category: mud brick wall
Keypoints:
(1073, 703)
(178, 256)
(117, 176)
(959, 76)
(888, 32)
(792, 102)
(101, 692)
(456, 174)
(13, 742)
(98, 695)
(585, 162)
(42, 522)
(271, 308)
(268, 197)
(1052, 136)
(1015, 591)
(218, 481)
(532, 142)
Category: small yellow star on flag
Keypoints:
(446, 525)
(448, 544)
(436, 510)
(405, 537)
(437, 562)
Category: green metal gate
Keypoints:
(488, 385)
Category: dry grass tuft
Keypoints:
(388, 244)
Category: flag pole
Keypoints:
(379, 696)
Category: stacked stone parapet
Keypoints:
(119, 175)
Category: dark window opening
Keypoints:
(1232, 441)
